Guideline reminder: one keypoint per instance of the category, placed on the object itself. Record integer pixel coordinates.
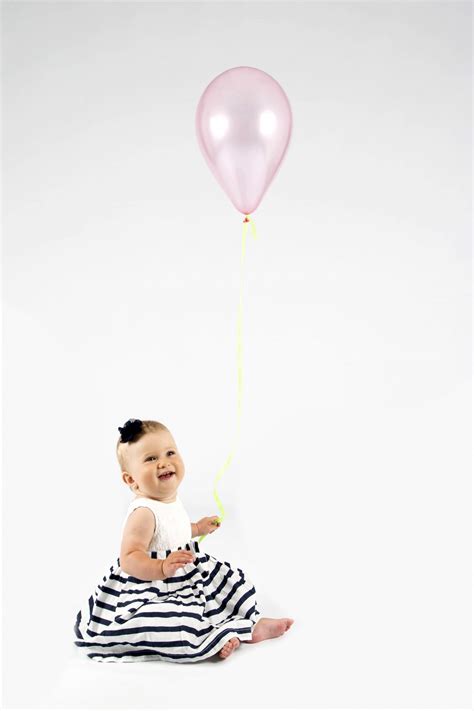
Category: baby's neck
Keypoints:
(161, 501)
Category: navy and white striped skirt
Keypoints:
(184, 618)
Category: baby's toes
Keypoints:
(224, 652)
(229, 647)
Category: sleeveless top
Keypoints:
(172, 523)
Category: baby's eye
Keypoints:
(152, 456)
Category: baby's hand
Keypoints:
(175, 560)
(208, 524)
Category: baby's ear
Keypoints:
(125, 476)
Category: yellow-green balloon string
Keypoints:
(246, 222)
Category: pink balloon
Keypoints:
(243, 126)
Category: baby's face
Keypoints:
(148, 459)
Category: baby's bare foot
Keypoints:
(229, 647)
(268, 627)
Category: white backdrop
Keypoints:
(348, 500)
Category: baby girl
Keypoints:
(165, 599)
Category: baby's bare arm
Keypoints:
(139, 565)
(137, 535)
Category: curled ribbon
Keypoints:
(246, 222)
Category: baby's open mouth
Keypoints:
(166, 476)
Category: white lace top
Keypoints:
(172, 523)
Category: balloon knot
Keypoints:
(246, 219)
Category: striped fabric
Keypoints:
(184, 618)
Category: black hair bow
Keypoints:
(129, 430)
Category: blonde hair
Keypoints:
(122, 447)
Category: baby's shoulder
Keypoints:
(139, 512)
(140, 518)
(138, 530)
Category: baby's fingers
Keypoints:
(180, 564)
